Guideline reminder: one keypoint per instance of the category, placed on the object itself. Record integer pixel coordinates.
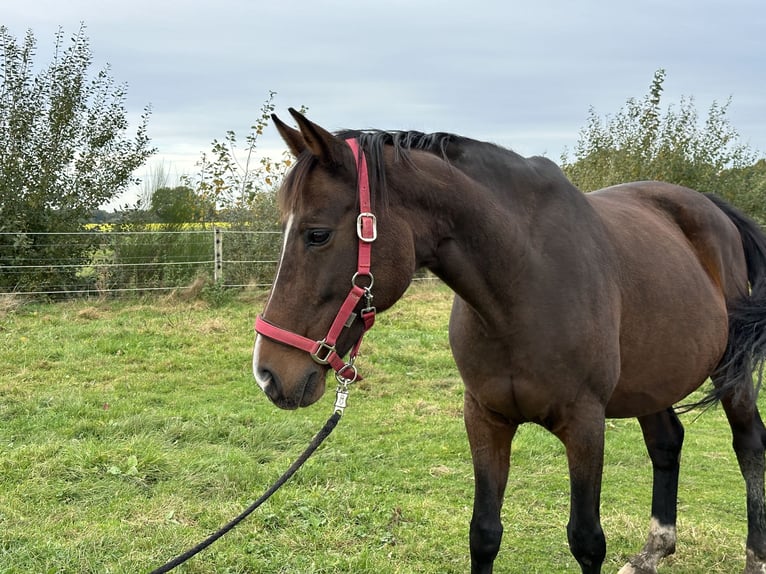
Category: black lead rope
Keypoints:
(316, 441)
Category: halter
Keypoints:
(323, 351)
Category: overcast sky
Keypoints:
(523, 75)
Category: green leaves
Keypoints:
(179, 205)
(128, 468)
(62, 141)
(643, 141)
(63, 144)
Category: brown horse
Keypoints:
(569, 308)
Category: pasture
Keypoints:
(130, 429)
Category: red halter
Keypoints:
(323, 351)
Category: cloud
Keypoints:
(522, 75)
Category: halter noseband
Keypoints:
(324, 351)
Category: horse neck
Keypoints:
(473, 239)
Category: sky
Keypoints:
(522, 75)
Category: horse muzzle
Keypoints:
(292, 389)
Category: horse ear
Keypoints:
(324, 145)
(293, 138)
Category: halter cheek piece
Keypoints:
(324, 351)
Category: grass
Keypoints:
(131, 429)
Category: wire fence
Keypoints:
(98, 262)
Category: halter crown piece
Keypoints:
(323, 351)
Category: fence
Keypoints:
(96, 262)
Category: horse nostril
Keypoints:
(263, 376)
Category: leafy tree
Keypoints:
(641, 142)
(101, 216)
(180, 205)
(746, 187)
(63, 149)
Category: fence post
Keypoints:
(218, 255)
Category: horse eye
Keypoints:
(317, 237)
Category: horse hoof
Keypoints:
(753, 564)
(633, 569)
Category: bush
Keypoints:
(641, 142)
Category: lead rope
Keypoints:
(345, 373)
(341, 395)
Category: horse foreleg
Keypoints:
(664, 437)
(749, 440)
(490, 439)
(584, 441)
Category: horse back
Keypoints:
(668, 209)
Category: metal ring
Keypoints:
(368, 274)
(345, 380)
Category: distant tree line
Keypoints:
(232, 184)
(65, 151)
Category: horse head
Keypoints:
(321, 299)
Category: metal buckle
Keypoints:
(360, 226)
(323, 352)
(341, 398)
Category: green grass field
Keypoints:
(131, 429)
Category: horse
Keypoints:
(569, 308)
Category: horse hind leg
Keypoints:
(664, 437)
(749, 443)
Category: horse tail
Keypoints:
(745, 352)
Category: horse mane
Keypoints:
(482, 161)
(373, 143)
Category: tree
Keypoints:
(642, 143)
(179, 205)
(746, 187)
(63, 146)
